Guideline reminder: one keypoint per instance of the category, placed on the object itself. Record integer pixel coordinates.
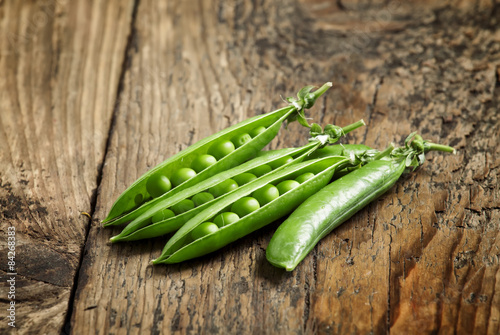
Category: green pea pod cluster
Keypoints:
(214, 154)
(189, 243)
(157, 217)
(224, 187)
(337, 202)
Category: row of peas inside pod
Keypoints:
(169, 213)
(228, 148)
(159, 184)
(247, 205)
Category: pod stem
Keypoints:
(385, 152)
(331, 133)
(319, 92)
(305, 100)
(352, 126)
(429, 146)
(415, 149)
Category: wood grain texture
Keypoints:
(423, 258)
(60, 64)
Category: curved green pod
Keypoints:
(179, 248)
(135, 194)
(321, 213)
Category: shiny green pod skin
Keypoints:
(140, 227)
(272, 121)
(340, 200)
(179, 248)
(135, 194)
(327, 209)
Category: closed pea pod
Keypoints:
(337, 202)
(219, 147)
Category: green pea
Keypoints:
(266, 194)
(162, 215)
(287, 185)
(256, 131)
(221, 149)
(244, 178)
(244, 206)
(182, 175)
(202, 198)
(303, 177)
(204, 229)
(280, 162)
(225, 219)
(222, 188)
(261, 170)
(157, 185)
(183, 206)
(201, 162)
(241, 139)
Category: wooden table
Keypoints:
(95, 93)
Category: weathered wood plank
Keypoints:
(60, 62)
(422, 258)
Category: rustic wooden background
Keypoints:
(94, 93)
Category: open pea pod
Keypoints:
(185, 244)
(144, 224)
(141, 227)
(244, 146)
(150, 208)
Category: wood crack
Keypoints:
(127, 60)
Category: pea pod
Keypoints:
(245, 148)
(180, 247)
(141, 228)
(334, 204)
